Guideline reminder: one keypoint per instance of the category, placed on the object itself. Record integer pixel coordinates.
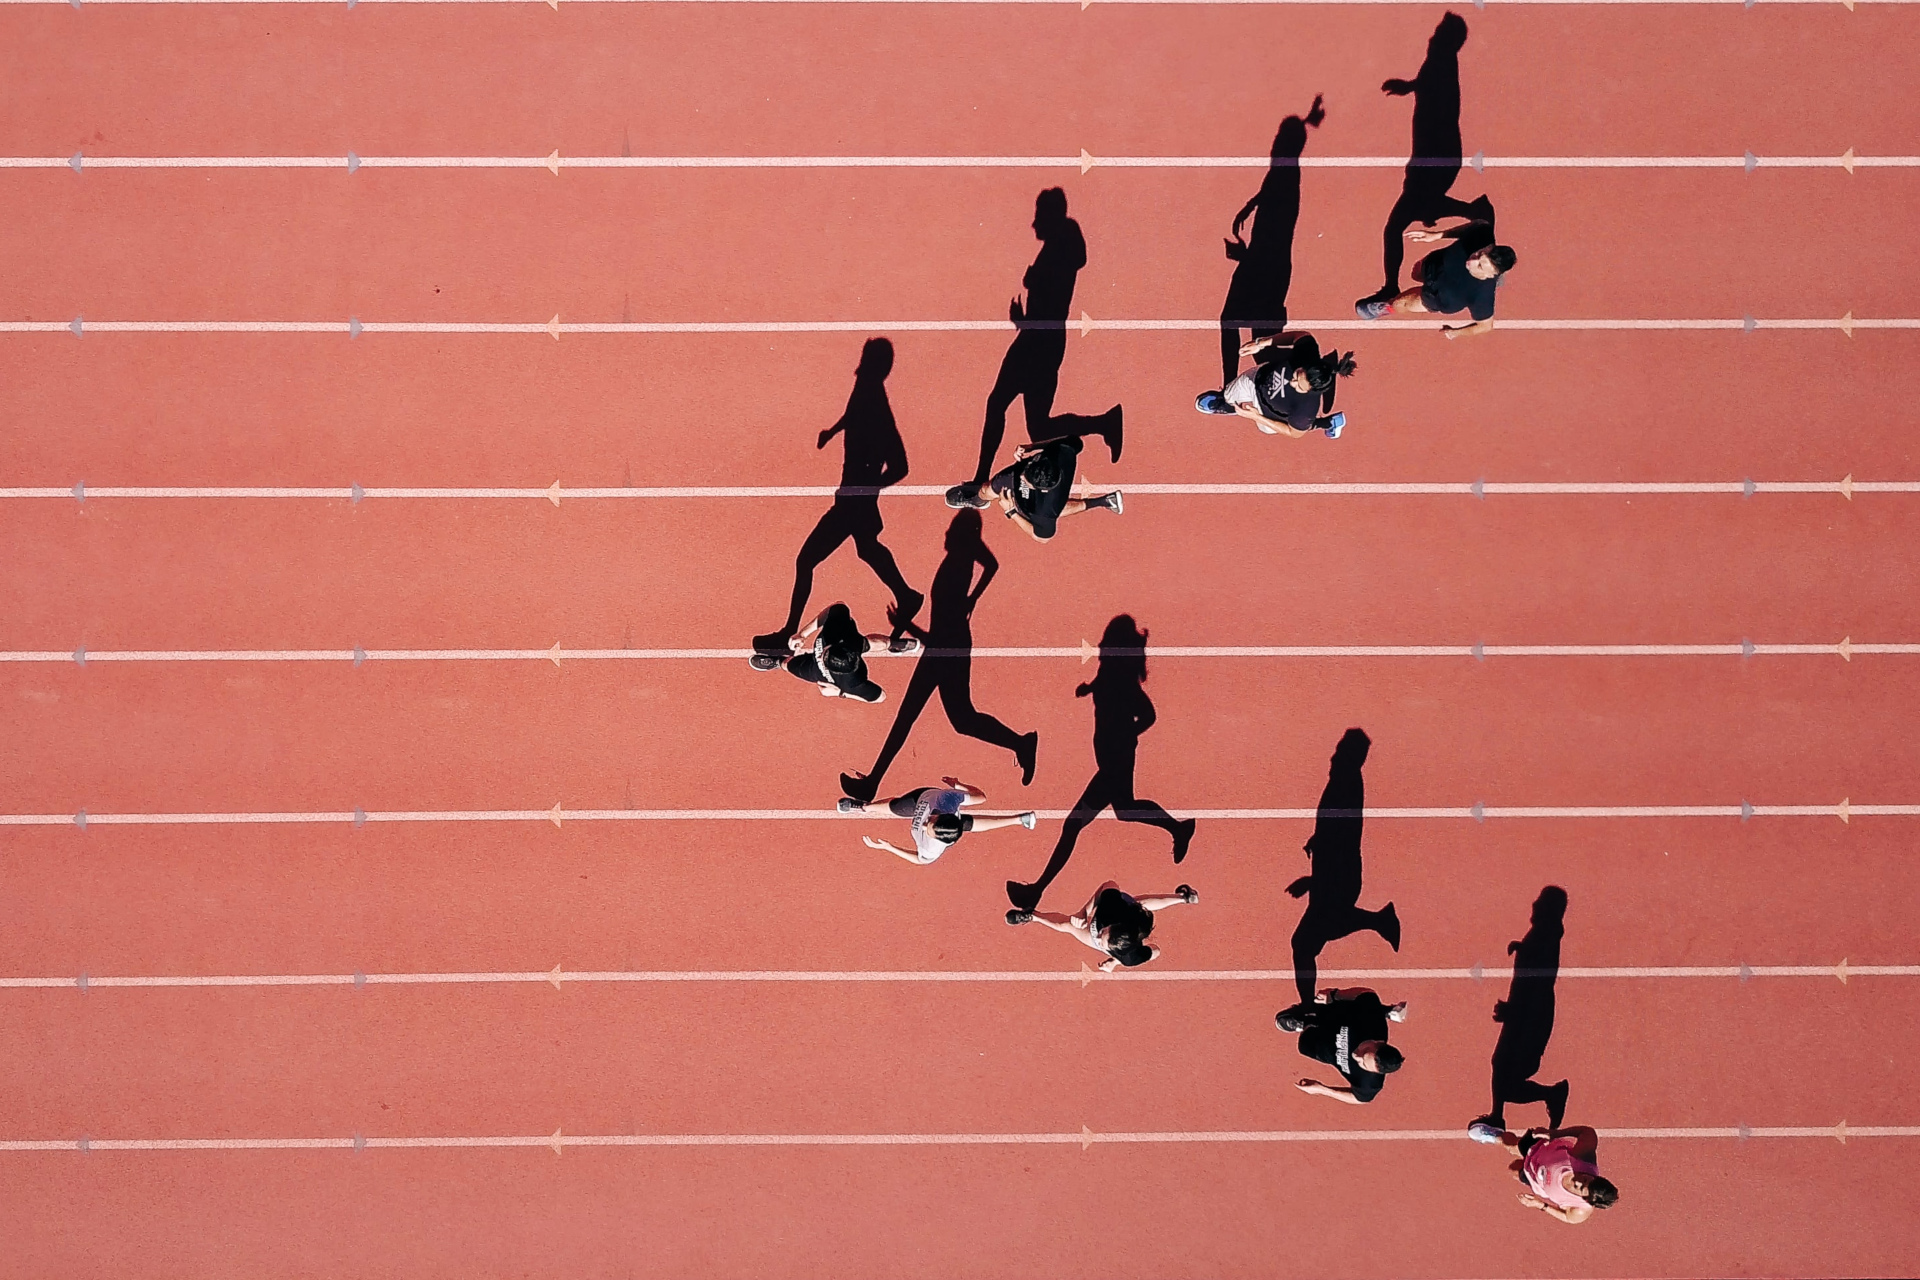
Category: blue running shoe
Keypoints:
(1335, 425)
(1212, 402)
(1372, 308)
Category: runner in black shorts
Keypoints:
(1113, 923)
(1461, 277)
(828, 654)
(1035, 491)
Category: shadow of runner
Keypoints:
(1122, 712)
(1257, 297)
(946, 664)
(1436, 155)
(1526, 1015)
(1031, 368)
(873, 457)
(1332, 888)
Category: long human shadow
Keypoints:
(873, 457)
(1332, 888)
(1030, 371)
(1263, 274)
(1526, 1015)
(946, 663)
(1434, 161)
(1122, 712)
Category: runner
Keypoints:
(1464, 276)
(1035, 491)
(1346, 1029)
(1559, 1170)
(1114, 923)
(1288, 392)
(829, 654)
(937, 820)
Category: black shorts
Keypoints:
(858, 686)
(903, 806)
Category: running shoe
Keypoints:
(1186, 894)
(1212, 402)
(1485, 1130)
(1028, 819)
(968, 495)
(1372, 308)
(847, 804)
(1017, 916)
(1335, 425)
(764, 662)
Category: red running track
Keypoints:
(828, 1057)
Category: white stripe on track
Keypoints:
(557, 977)
(1303, 489)
(1083, 163)
(1849, 649)
(558, 1141)
(1087, 326)
(1846, 810)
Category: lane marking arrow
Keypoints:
(553, 814)
(553, 327)
(1086, 161)
(553, 493)
(553, 161)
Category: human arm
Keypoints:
(893, 462)
(1344, 993)
(1161, 901)
(1585, 1141)
(874, 842)
(1020, 520)
(1575, 1215)
(1433, 235)
(1339, 1093)
(1111, 963)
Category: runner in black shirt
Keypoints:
(1288, 391)
(1035, 491)
(828, 654)
(1348, 1031)
(1461, 277)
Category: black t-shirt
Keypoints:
(1447, 284)
(1333, 1029)
(1279, 400)
(1042, 507)
(846, 681)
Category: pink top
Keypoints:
(1546, 1162)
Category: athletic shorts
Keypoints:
(860, 686)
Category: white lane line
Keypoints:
(557, 978)
(1845, 810)
(554, 493)
(1086, 325)
(1846, 649)
(79, 162)
(555, 4)
(558, 1140)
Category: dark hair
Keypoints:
(1128, 950)
(1601, 1194)
(1320, 375)
(1042, 470)
(1502, 258)
(840, 639)
(1388, 1058)
(949, 827)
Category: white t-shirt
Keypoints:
(933, 800)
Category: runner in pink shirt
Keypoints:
(1558, 1170)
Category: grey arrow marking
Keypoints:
(80, 490)
(81, 982)
(79, 157)
(1479, 651)
(1480, 487)
(80, 819)
(1743, 1131)
(359, 818)
(1480, 157)
(1748, 324)
(1479, 811)
(1751, 161)
(359, 978)
(356, 493)
(76, 328)
(1746, 811)
(1745, 973)
(353, 326)
(1748, 487)
(359, 1140)
(353, 161)
(80, 656)
(1746, 647)
(359, 656)
(1476, 971)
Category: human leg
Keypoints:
(1085, 810)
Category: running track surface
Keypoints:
(833, 1058)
